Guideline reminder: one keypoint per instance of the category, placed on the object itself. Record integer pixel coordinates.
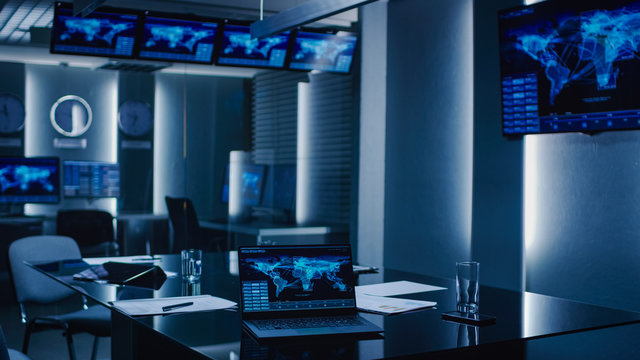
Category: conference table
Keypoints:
(526, 323)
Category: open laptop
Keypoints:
(299, 290)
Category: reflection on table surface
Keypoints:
(218, 334)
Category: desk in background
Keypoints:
(522, 318)
(267, 233)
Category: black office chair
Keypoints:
(9, 354)
(32, 287)
(187, 233)
(91, 229)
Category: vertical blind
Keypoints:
(329, 146)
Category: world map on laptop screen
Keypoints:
(296, 278)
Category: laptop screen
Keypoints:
(278, 279)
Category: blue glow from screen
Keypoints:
(178, 40)
(99, 33)
(570, 66)
(239, 48)
(326, 52)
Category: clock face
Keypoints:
(71, 115)
(11, 114)
(135, 118)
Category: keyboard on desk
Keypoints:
(305, 323)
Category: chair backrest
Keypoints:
(4, 350)
(30, 285)
(86, 227)
(186, 229)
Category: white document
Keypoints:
(139, 259)
(396, 288)
(145, 307)
(389, 305)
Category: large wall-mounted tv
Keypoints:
(105, 32)
(570, 66)
(178, 39)
(238, 48)
(29, 180)
(91, 179)
(323, 51)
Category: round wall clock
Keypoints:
(11, 114)
(71, 115)
(135, 118)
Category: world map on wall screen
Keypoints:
(570, 66)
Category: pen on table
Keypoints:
(150, 258)
(176, 306)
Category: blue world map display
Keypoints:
(327, 52)
(291, 276)
(239, 48)
(100, 33)
(24, 180)
(562, 59)
(180, 40)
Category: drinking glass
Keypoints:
(467, 287)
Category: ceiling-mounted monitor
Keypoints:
(238, 48)
(570, 66)
(325, 51)
(107, 32)
(29, 180)
(178, 39)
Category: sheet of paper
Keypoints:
(389, 305)
(145, 307)
(137, 259)
(396, 288)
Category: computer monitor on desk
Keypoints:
(29, 180)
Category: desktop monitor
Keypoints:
(280, 188)
(570, 66)
(107, 32)
(91, 179)
(252, 184)
(323, 51)
(29, 180)
(238, 48)
(186, 39)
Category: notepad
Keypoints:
(388, 305)
(146, 307)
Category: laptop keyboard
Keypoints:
(315, 322)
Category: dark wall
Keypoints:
(135, 153)
(44, 86)
(12, 83)
(497, 226)
(427, 223)
(215, 111)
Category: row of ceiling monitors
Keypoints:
(37, 180)
(570, 66)
(122, 33)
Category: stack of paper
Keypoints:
(145, 307)
(374, 298)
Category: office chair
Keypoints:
(91, 229)
(9, 354)
(32, 287)
(187, 233)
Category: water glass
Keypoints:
(467, 287)
(191, 264)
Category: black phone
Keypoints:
(467, 318)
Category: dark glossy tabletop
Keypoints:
(218, 334)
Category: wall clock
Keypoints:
(11, 114)
(71, 115)
(135, 118)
